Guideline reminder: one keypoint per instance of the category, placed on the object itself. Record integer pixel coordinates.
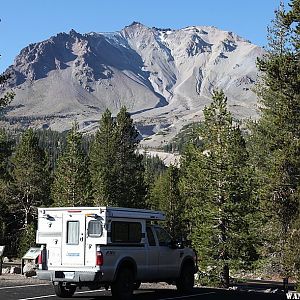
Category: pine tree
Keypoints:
(154, 167)
(117, 170)
(275, 141)
(7, 97)
(5, 153)
(53, 143)
(165, 196)
(71, 186)
(30, 179)
(129, 164)
(216, 184)
(102, 162)
(26, 240)
(6, 145)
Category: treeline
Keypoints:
(235, 196)
(188, 134)
(47, 168)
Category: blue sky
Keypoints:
(30, 21)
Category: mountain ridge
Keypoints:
(164, 77)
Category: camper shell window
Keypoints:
(73, 232)
(126, 232)
(95, 228)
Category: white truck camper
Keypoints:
(110, 247)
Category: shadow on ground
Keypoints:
(198, 293)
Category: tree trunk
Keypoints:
(26, 219)
(285, 284)
(225, 276)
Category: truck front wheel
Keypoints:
(122, 288)
(186, 280)
(64, 291)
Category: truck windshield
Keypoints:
(95, 228)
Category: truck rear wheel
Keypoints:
(64, 291)
(122, 288)
(186, 280)
(137, 285)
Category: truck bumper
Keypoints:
(71, 277)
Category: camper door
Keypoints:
(73, 244)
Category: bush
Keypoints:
(27, 240)
(210, 277)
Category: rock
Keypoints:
(5, 259)
(259, 278)
(6, 271)
(15, 270)
(29, 270)
(30, 273)
(272, 291)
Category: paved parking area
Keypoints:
(45, 291)
(17, 287)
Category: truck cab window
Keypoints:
(73, 232)
(164, 239)
(126, 232)
(150, 236)
(95, 228)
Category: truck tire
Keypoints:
(186, 280)
(122, 288)
(137, 285)
(64, 291)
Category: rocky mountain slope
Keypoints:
(164, 77)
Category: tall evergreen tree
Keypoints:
(6, 145)
(117, 170)
(216, 186)
(154, 167)
(129, 164)
(71, 186)
(5, 151)
(30, 179)
(165, 196)
(54, 144)
(275, 141)
(7, 97)
(102, 162)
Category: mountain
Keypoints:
(164, 77)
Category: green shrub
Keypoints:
(27, 240)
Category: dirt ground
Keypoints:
(18, 279)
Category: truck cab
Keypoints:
(111, 247)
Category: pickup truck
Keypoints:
(116, 248)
